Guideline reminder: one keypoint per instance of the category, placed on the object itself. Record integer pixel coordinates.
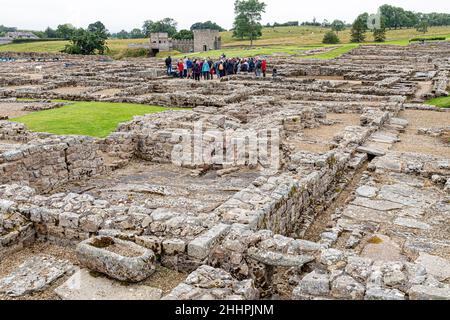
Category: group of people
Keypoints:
(206, 69)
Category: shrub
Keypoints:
(330, 38)
(428, 39)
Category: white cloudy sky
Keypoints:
(128, 14)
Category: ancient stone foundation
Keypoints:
(331, 181)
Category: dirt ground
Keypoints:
(423, 88)
(70, 90)
(12, 110)
(316, 140)
(411, 141)
(107, 92)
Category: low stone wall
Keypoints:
(16, 231)
(47, 163)
(440, 83)
(14, 131)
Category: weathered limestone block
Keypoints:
(376, 293)
(435, 266)
(208, 283)
(150, 242)
(429, 293)
(345, 287)
(173, 247)
(68, 220)
(201, 246)
(278, 259)
(313, 284)
(121, 260)
(91, 223)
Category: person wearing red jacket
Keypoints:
(181, 68)
(264, 67)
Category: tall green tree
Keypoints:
(206, 25)
(184, 35)
(359, 28)
(168, 25)
(98, 28)
(65, 31)
(247, 23)
(50, 33)
(136, 33)
(422, 26)
(123, 34)
(86, 42)
(337, 26)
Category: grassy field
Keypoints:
(279, 40)
(118, 48)
(314, 35)
(96, 119)
(443, 102)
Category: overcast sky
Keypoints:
(118, 15)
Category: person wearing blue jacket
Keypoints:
(189, 65)
(206, 70)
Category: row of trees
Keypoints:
(397, 18)
(4, 30)
(391, 18)
(168, 25)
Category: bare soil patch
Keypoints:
(411, 141)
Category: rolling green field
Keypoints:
(304, 35)
(443, 102)
(278, 40)
(96, 119)
(118, 48)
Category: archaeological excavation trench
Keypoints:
(331, 181)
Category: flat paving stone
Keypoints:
(412, 223)
(35, 274)
(83, 286)
(381, 205)
(367, 214)
(384, 249)
(436, 266)
(367, 191)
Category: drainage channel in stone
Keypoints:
(324, 219)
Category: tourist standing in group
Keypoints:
(181, 68)
(221, 69)
(264, 67)
(258, 68)
(251, 65)
(197, 69)
(185, 71)
(206, 70)
(230, 67)
(190, 66)
(169, 65)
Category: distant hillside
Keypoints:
(307, 35)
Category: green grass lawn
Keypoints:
(443, 102)
(96, 119)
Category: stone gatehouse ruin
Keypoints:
(204, 40)
(358, 207)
